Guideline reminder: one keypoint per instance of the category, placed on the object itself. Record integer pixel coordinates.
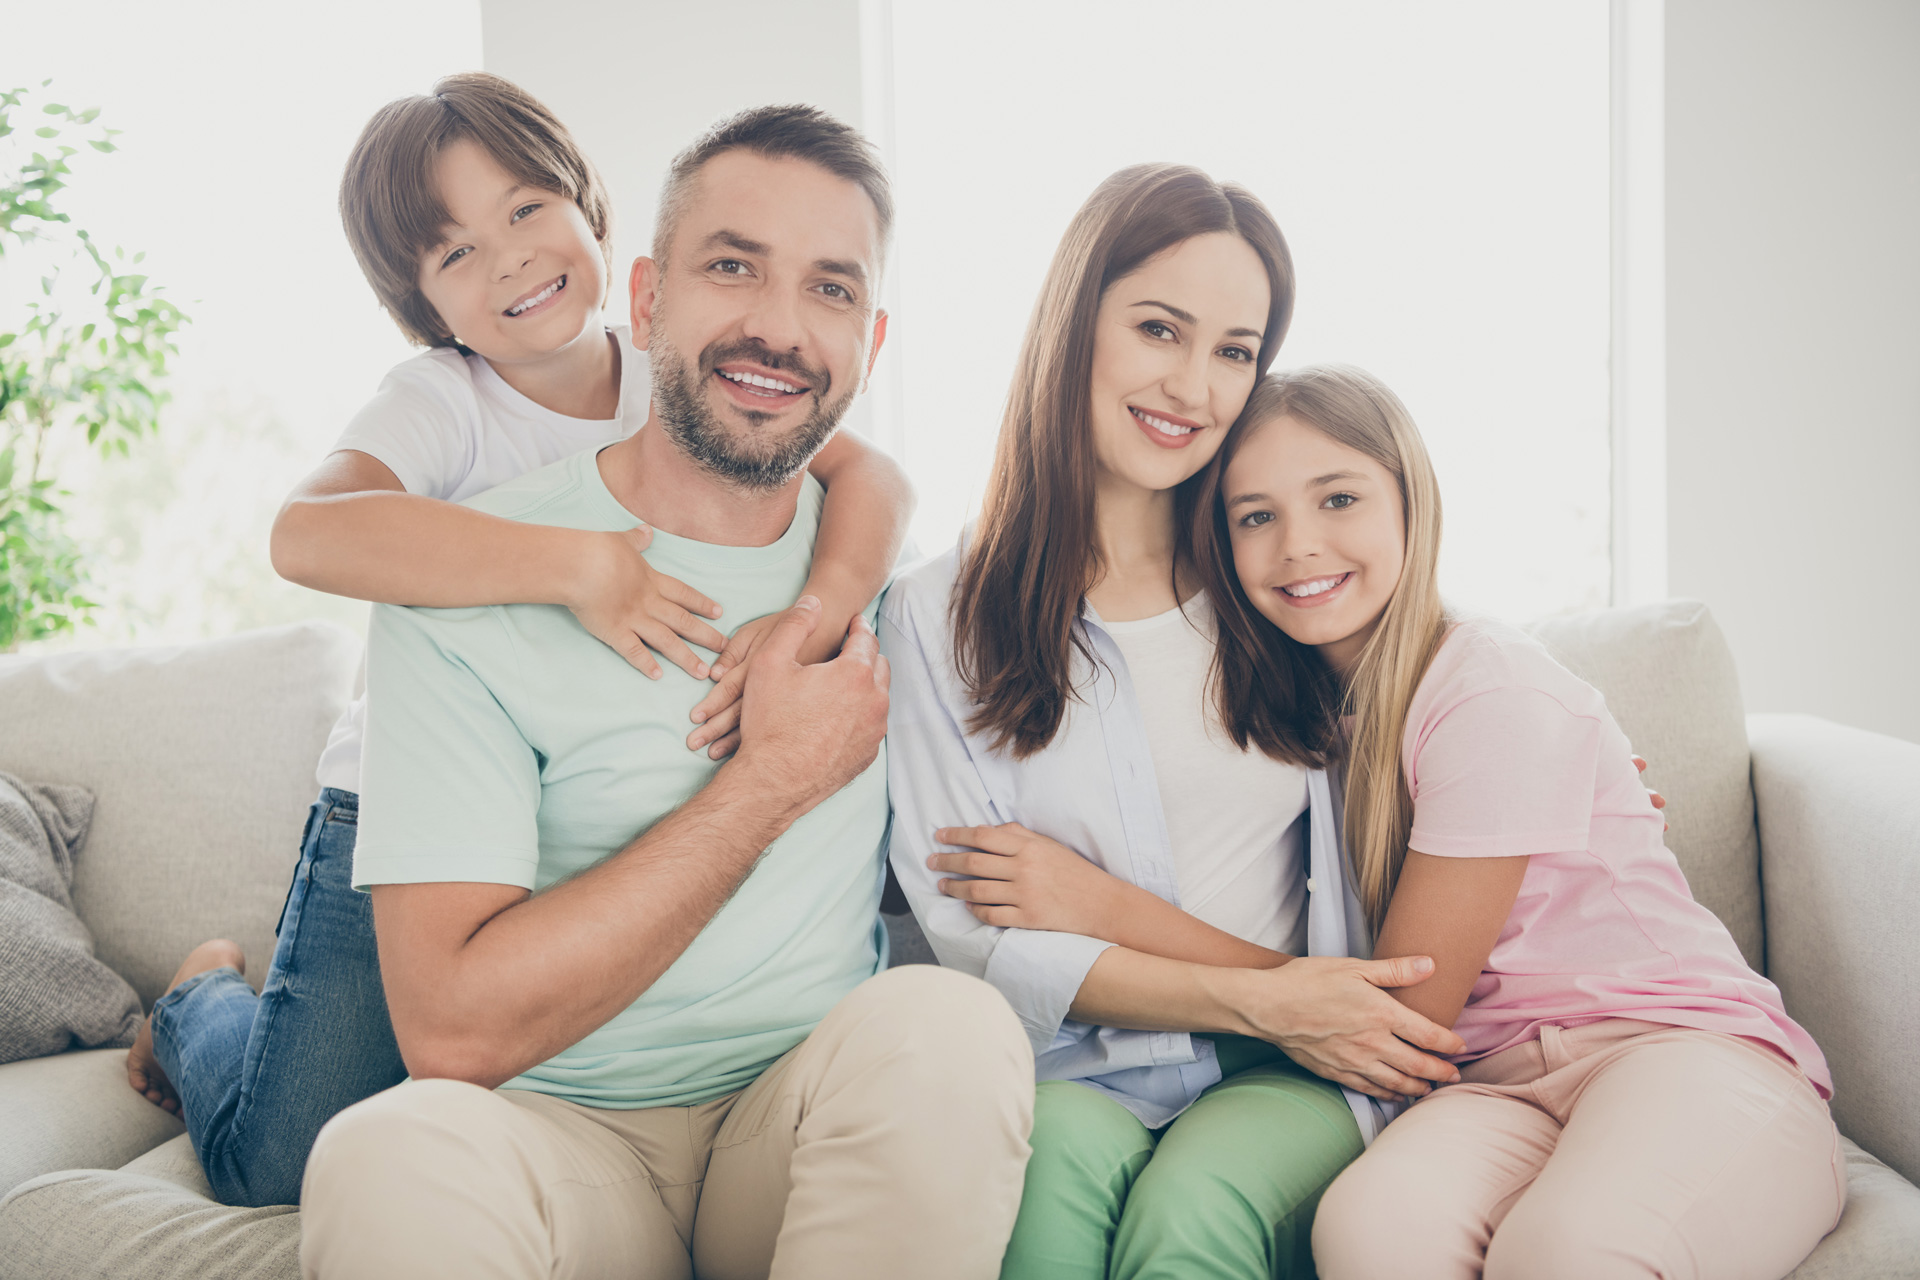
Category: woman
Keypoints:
(1139, 885)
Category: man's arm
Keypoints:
(484, 981)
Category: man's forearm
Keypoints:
(548, 970)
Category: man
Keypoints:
(635, 990)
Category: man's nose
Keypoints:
(774, 320)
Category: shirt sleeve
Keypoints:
(450, 790)
(423, 424)
(1504, 773)
(934, 783)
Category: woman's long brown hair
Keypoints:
(1033, 555)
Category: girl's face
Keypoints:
(1318, 535)
(519, 275)
(1174, 349)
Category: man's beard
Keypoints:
(750, 458)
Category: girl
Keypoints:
(1049, 685)
(1634, 1099)
(483, 230)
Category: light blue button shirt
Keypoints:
(1092, 789)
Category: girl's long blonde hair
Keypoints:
(1276, 693)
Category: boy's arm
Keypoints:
(862, 528)
(351, 529)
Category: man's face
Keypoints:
(761, 323)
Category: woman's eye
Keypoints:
(1340, 501)
(1156, 329)
(454, 257)
(1254, 519)
(523, 211)
(1238, 353)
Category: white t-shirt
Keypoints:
(449, 427)
(1234, 818)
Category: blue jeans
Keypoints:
(258, 1075)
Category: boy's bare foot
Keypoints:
(143, 1069)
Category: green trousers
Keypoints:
(1227, 1190)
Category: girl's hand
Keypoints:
(1026, 881)
(718, 714)
(1659, 801)
(631, 608)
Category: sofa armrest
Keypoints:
(1839, 813)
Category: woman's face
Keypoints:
(1174, 348)
(1318, 535)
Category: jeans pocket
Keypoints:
(314, 812)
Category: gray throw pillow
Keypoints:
(54, 994)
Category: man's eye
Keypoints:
(454, 257)
(836, 291)
(1340, 501)
(732, 266)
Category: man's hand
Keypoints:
(632, 608)
(1026, 881)
(808, 731)
(1330, 1015)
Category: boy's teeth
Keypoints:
(755, 380)
(1162, 425)
(537, 298)
(1316, 587)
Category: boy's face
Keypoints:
(519, 275)
(761, 324)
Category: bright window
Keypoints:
(236, 120)
(1440, 172)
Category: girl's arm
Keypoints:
(1026, 881)
(1453, 910)
(862, 528)
(351, 529)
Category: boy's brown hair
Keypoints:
(393, 211)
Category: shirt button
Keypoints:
(1313, 885)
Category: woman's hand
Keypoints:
(1659, 801)
(632, 608)
(1330, 1015)
(1026, 881)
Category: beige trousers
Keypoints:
(891, 1143)
(1616, 1149)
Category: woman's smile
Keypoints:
(1165, 429)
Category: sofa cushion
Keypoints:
(201, 759)
(1879, 1234)
(1840, 822)
(1669, 679)
(73, 1111)
(146, 1220)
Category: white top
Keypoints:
(1233, 816)
(449, 427)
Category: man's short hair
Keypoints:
(796, 130)
(392, 206)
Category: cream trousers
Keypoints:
(1615, 1149)
(890, 1143)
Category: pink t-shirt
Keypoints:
(1507, 753)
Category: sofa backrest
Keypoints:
(202, 760)
(1669, 679)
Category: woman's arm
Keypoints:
(1327, 1013)
(1453, 910)
(351, 529)
(862, 528)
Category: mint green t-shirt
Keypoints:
(507, 745)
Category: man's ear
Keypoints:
(873, 352)
(643, 287)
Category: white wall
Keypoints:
(637, 80)
(1793, 357)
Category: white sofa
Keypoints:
(1804, 836)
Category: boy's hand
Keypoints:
(718, 714)
(631, 607)
(1026, 881)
